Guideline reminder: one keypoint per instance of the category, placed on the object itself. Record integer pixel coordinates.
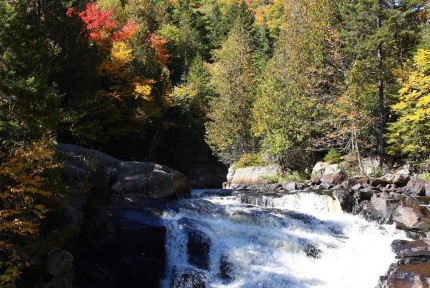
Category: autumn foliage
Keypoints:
(159, 44)
(101, 26)
(29, 187)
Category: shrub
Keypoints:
(426, 176)
(377, 172)
(249, 160)
(333, 156)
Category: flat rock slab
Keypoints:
(253, 175)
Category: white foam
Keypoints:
(266, 246)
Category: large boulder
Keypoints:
(198, 247)
(412, 218)
(207, 177)
(322, 168)
(125, 248)
(334, 178)
(371, 164)
(59, 270)
(126, 177)
(410, 276)
(186, 277)
(412, 268)
(416, 186)
(253, 175)
(380, 208)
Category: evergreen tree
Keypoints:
(378, 37)
(29, 115)
(228, 131)
(298, 84)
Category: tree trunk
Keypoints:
(379, 55)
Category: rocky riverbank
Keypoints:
(115, 237)
(396, 197)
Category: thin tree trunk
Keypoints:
(379, 55)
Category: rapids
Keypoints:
(232, 239)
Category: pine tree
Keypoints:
(378, 37)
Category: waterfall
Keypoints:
(222, 238)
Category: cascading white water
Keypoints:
(298, 240)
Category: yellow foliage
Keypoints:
(28, 188)
(143, 88)
(410, 134)
(121, 53)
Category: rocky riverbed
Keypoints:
(119, 236)
(395, 198)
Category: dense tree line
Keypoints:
(274, 80)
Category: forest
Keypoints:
(185, 82)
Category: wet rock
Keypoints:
(418, 248)
(312, 251)
(365, 194)
(401, 180)
(326, 186)
(410, 276)
(226, 269)
(128, 251)
(375, 182)
(198, 246)
(380, 208)
(348, 183)
(346, 199)
(139, 271)
(188, 278)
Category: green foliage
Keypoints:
(426, 176)
(377, 172)
(291, 176)
(333, 156)
(271, 179)
(228, 131)
(378, 37)
(287, 110)
(250, 160)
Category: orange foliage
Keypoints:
(127, 32)
(159, 44)
(102, 28)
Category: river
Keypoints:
(230, 239)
